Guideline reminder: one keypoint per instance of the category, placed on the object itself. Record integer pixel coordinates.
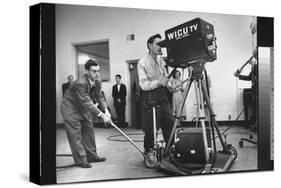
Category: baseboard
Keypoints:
(220, 123)
(183, 123)
(97, 124)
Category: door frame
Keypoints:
(130, 93)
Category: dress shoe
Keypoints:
(97, 159)
(150, 158)
(84, 165)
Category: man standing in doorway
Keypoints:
(77, 109)
(119, 93)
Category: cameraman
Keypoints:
(154, 83)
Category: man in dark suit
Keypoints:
(119, 93)
(66, 85)
(77, 109)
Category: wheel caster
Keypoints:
(211, 171)
(234, 151)
(241, 144)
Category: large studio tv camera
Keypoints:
(189, 43)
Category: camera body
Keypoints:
(190, 42)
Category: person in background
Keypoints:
(78, 108)
(66, 85)
(154, 82)
(252, 76)
(178, 95)
(119, 93)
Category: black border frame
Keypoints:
(265, 38)
(34, 128)
(42, 94)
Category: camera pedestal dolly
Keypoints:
(215, 161)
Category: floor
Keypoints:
(124, 161)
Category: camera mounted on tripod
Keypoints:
(190, 43)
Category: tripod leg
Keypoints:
(214, 155)
(212, 115)
(168, 145)
(202, 117)
(206, 84)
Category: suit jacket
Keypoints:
(65, 86)
(79, 99)
(121, 94)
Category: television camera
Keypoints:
(190, 43)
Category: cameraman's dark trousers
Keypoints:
(164, 120)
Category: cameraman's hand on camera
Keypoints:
(164, 82)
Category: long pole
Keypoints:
(128, 138)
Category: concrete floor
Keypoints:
(123, 161)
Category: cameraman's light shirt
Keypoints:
(150, 71)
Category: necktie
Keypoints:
(92, 94)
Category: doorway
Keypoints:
(135, 94)
(98, 51)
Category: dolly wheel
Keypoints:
(211, 171)
(241, 144)
(150, 161)
(234, 151)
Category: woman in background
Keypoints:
(178, 95)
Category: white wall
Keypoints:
(76, 24)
